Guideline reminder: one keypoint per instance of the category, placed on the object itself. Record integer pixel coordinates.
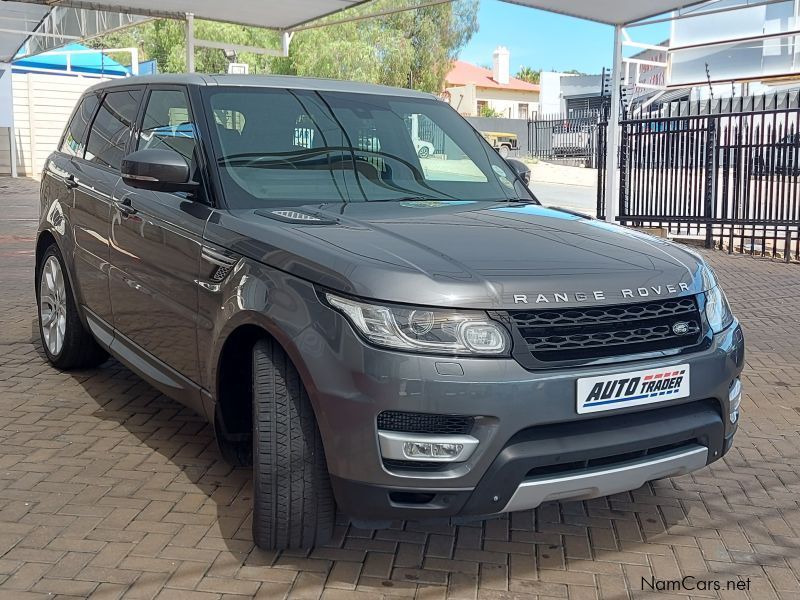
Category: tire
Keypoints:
(69, 345)
(293, 504)
(423, 152)
(504, 151)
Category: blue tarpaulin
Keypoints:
(95, 63)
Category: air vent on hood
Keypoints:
(296, 216)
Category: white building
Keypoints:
(470, 88)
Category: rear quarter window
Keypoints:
(74, 141)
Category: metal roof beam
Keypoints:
(115, 7)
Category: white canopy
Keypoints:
(610, 12)
(17, 20)
(48, 24)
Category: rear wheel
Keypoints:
(66, 342)
(293, 505)
(423, 152)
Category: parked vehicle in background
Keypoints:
(424, 149)
(504, 143)
(572, 137)
(396, 337)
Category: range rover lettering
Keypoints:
(385, 332)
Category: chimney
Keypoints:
(500, 65)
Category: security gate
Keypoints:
(725, 173)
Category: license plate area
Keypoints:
(632, 388)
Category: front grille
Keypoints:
(392, 420)
(602, 331)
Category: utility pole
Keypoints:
(190, 42)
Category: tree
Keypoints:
(487, 111)
(415, 48)
(528, 74)
(164, 41)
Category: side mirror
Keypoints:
(521, 169)
(157, 169)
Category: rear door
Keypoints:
(155, 248)
(94, 174)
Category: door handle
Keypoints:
(124, 207)
(70, 182)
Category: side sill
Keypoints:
(158, 374)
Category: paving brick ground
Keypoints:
(108, 489)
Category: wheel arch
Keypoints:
(44, 240)
(232, 379)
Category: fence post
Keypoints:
(600, 162)
(624, 140)
(710, 179)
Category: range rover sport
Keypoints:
(396, 335)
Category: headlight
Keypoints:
(718, 312)
(423, 329)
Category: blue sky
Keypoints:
(547, 41)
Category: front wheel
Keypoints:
(423, 152)
(504, 151)
(293, 505)
(66, 342)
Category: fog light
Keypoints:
(735, 399)
(431, 450)
(398, 445)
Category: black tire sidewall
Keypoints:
(80, 349)
(283, 418)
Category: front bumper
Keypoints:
(533, 445)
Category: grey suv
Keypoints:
(401, 337)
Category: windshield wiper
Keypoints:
(419, 198)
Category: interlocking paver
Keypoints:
(110, 490)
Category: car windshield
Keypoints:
(279, 146)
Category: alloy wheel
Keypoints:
(53, 305)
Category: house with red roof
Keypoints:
(469, 88)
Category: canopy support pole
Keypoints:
(190, 42)
(613, 135)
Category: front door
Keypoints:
(155, 246)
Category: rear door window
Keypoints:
(112, 127)
(74, 141)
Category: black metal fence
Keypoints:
(428, 131)
(600, 161)
(724, 173)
